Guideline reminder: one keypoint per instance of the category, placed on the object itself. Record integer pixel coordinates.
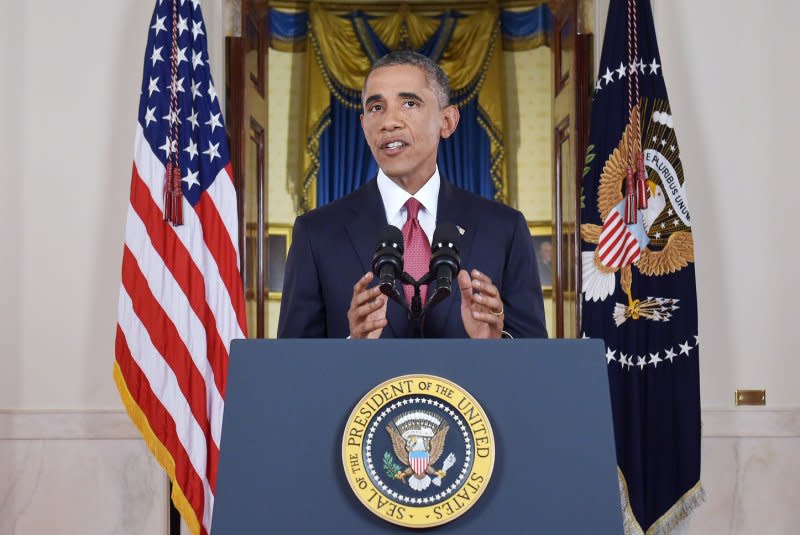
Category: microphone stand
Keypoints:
(416, 311)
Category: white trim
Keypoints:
(21, 424)
(66, 425)
(751, 422)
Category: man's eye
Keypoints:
(411, 103)
(376, 107)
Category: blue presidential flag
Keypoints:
(638, 275)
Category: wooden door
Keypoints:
(571, 72)
(247, 115)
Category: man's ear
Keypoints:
(450, 116)
(361, 118)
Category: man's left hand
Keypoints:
(481, 306)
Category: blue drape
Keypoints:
(288, 26)
(464, 158)
(526, 24)
(345, 161)
(514, 24)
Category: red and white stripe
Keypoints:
(617, 246)
(180, 305)
(419, 465)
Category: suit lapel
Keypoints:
(368, 219)
(451, 209)
(367, 216)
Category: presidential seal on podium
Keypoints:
(418, 451)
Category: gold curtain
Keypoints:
(341, 54)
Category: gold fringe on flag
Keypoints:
(158, 450)
(669, 520)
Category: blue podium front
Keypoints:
(288, 404)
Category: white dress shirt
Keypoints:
(394, 199)
(394, 202)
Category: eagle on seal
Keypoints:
(418, 440)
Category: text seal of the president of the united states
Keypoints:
(418, 450)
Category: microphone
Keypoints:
(387, 262)
(445, 258)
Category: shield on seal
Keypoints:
(419, 462)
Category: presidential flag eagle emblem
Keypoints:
(657, 240)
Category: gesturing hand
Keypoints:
(367, 313)
(481, 306)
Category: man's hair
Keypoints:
(437, 79)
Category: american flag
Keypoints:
(181, 301)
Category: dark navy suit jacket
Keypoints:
(332, 248)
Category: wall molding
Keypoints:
(66, 425)
(751, 422)
(115, 424)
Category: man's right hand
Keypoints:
(367, 314)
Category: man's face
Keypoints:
(403, 123)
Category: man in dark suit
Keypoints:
(406, 113)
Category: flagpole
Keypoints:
(174, 515)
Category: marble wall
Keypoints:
(751, 472)
(90, 473)
(78, 472)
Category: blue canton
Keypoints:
(202, 142)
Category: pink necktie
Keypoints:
(417, 255)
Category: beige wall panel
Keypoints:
(736, 121)
(12, 130)
(286, 145)
(286, 142)
(73, 107)
(273, 313)
(529, 133)
(549, 316)
(78, 103)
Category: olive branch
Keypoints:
(389, 466)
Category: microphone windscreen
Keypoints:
(391, 234)
(446, 233)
